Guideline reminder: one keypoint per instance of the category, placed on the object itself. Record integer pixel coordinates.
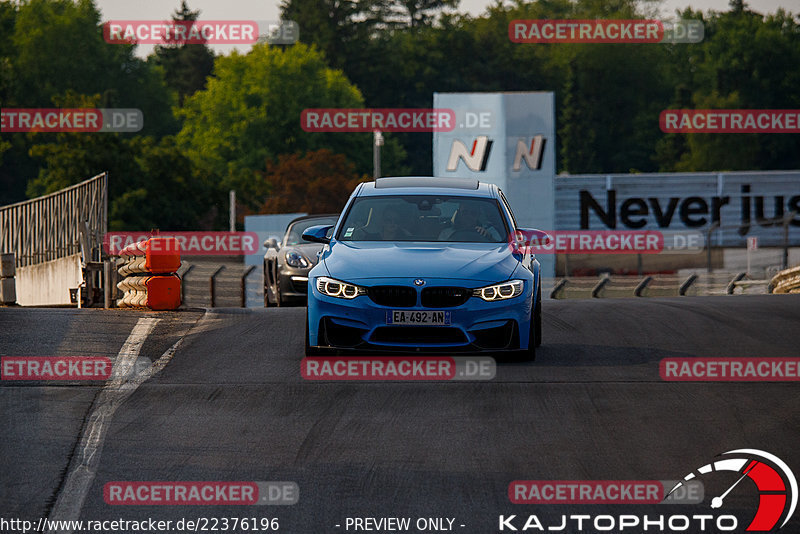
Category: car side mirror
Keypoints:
(271, 243)
(531, 237)
(318, 234)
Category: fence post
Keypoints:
(8, 288)
(183, 285)
(732, 283)
(642, 286)
(687, 284)
(711, 229)
(213, 285)
(244, 285)
(786, 221)
(558, 288)
(600, 285)
(107, 284)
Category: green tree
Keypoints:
(68, 158)
(186, 66)
(419, 12)
(164, 192)
(59, 46)
(339, 28)
(50, 49)
(747, 61)
(317, 182)
(250, 113)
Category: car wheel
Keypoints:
(277, 291)
(529, 354)
(537, 316)
(311, 351)
(266, 286)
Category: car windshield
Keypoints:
(424, 218)
(295, 231)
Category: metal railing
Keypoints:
(783, 221)
(47, 228)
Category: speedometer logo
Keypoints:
(777, 485)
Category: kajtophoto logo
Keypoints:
(775, 483)
(772, 491)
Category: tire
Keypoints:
(266, 287)
(534, 335)
(530, 353)
(537, 316)
(276, 289)
(311, 351)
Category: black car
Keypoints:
(287, 262)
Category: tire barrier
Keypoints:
(154, 292)
(150, 268)
(787, 281)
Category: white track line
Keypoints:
(83, 466)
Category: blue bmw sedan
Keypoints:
(420, 264)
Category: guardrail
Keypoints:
(615, 286)
(787, 281)
(782, 221)
(49, 227)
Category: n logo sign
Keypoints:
(474, 159)
(532, 155)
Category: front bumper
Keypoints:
(476, 325)
(294, 283)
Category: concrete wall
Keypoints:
(48, 283)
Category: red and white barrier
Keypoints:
(150, 268)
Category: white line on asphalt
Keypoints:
(83, 465)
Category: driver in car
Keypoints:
(389, 228)
(466, 224)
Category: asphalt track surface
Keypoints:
(229, 404)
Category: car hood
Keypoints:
(486, 262)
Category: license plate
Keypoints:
(407, 317)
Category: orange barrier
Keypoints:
(150, 268)
(155, 255)
(154, 292)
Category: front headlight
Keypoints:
(337, 288)
(295, 259)
(506, 290)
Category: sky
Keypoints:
(268, 10)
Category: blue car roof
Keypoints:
(427, 185)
